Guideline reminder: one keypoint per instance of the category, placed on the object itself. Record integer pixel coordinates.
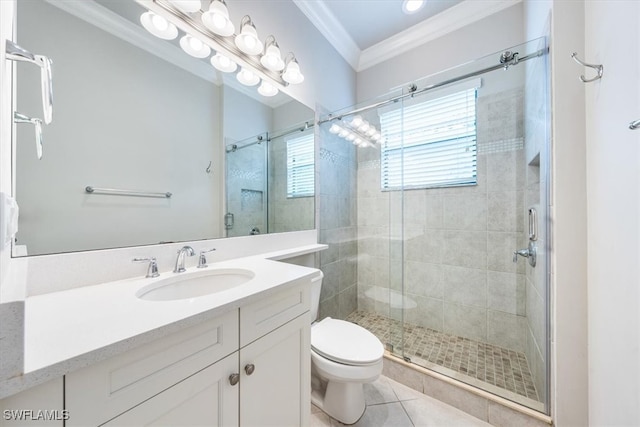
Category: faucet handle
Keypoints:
(152, 270)
(202, 261)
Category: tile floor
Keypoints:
(391, 404)
(500, 367)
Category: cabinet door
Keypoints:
(276, 391)
(204, 399)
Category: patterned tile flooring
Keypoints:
(501, 367)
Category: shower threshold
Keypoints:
(489, 367)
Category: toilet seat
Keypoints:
(346, 343)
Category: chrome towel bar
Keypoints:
(118, 192)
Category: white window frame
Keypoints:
(431, 140)
(300, 165)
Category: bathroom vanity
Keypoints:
(238, 356)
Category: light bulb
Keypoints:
(159, 22)
(358, 141)
(247, 77)
(292, 73)
(364, 127)
(356, 121)
(194, 47)
(376, 137)
(222, 63)
(248, 41)
(195, 43)
(335, 128)
(412, 6)
(158, 26)
(219, 21)
(216, 18)
(372, 130)
(350, 137)
(343, 133)
(267, 89)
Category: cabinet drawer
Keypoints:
(100, 392)
(261, 317)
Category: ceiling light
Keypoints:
(267, 89)
(222, 63)
(350, 137)
(248, 41)
(412, 6)
(194, 47)
(356, 121)
(188, 6)
(247, 77)
(158, 26)
(217, 19)
(271, 58)
(292, 72)
(343, 133)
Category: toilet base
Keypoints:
(342, 401)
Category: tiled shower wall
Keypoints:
(285, 214)
(458, 242)
(337, 224)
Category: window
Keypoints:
(300, 166)
(430, 143)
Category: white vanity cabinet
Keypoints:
(248, 367)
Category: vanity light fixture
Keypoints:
(412, 6)
(358, 131)
(267, 89)
(216, 18)
(223, 63)
(188, 6)
(272, 59)
(248, 41)
(292, 72)
(158, 26)
(245, 51)
(247, 77)
(194, 47)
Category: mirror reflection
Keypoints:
(135, 113)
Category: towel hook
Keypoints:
(599, 69)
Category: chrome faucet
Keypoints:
(185, 250)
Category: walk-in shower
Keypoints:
(448, 179)
(270, 182)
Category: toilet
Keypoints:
(344, 356)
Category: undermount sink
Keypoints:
(196, 284)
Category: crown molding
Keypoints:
(324, 20)
(452, 19)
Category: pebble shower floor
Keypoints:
(491, 364)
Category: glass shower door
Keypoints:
(246, 187)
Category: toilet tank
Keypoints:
(316, 288)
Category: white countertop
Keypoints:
(71, 329)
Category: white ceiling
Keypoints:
(370, 22)
(368, 32)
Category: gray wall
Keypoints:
(123, 119)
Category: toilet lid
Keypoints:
(345, 342)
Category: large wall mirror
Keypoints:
(133, 112)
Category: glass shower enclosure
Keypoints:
(452, 199)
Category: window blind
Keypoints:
(300, 166)
(431, 143)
